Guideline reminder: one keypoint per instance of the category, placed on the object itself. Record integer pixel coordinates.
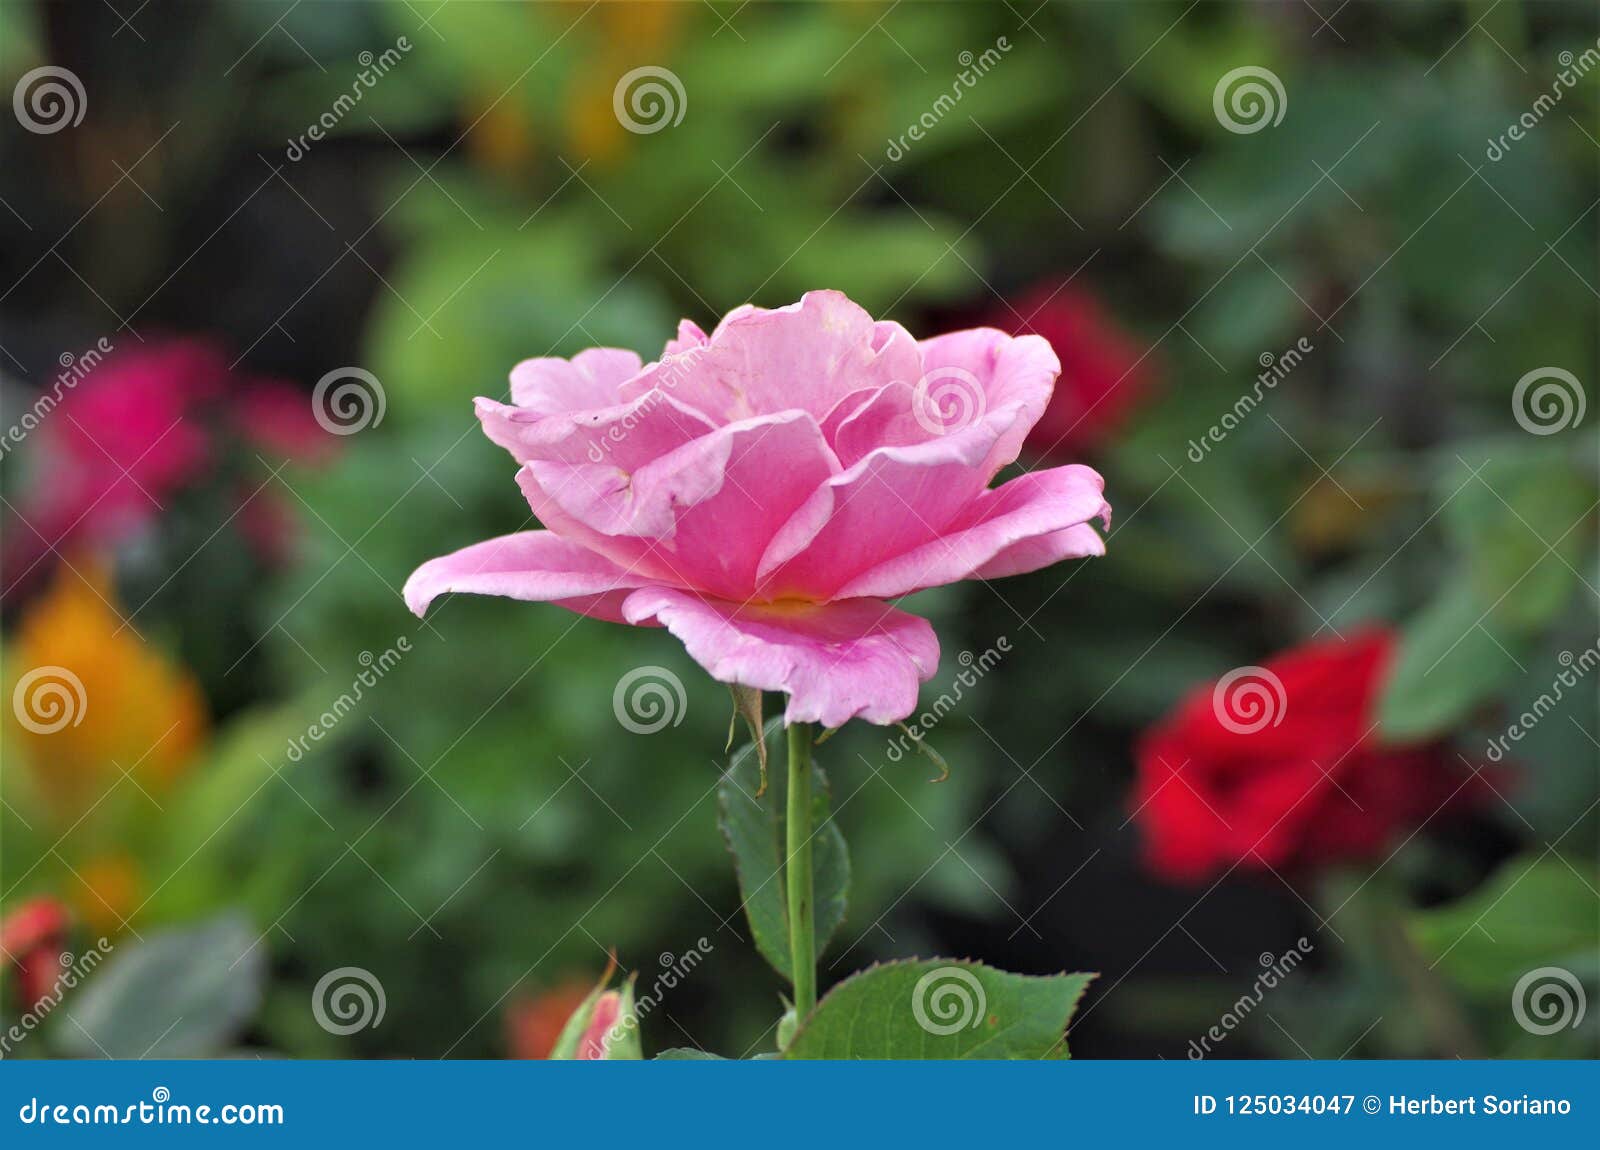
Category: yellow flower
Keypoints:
(90, 699)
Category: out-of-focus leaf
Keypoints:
(1448, 664)
(178, 994)
(1535, 911)
(1515, 518)
(253, 747)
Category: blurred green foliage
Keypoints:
(482, 828)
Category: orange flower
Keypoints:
(107, 891)
(92, 700)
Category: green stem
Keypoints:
(802, 926)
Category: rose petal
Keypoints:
(620, 437)
(891, 501)
(1026, 524)
(836, 661)
(530, 565)
(899, 498)
(589, 379)
(699, 516)
(1015, 374)
(806, 356)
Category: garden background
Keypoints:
(264, 340)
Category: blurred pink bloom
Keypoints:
(123, 441)
(1106, 374)
(762, 490)
(142, 427)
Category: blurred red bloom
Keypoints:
(1105, 372)
(279, 419)
(534, 1024)
(33, 938)
(139, 428)
(1278, 766)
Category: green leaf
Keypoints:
(1536, 910)
(688, 1054)
(752, 829)
(178, 994)
(1515, 519)
(1447, 665)
(938, 1008)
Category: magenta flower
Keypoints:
(761, 491)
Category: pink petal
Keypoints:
(881, 417)
(1079, 542)
(698, 516)
(891, 501)
(689, 336)
(642, 557)
(898, 498)
(619, 437)
(806, 356)
(714, 504)
(589, 379)
(836, 661)
(592, 1044)
(1015, 374)
(1039, 504)
(530, 565)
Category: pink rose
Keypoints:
(762, 490)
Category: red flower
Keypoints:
(33, 938)
(1105, 372)
(280, 420)
(1279, 766)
